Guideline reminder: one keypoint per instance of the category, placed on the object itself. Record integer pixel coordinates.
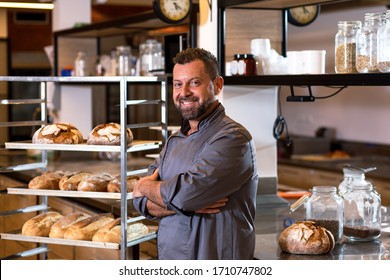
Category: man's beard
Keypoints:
(194, 113)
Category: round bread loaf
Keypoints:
(58, 229)
(108, 134)
(111, 232)
(71, 182)
(95, 183)
(41, 224)
(306, 238)
(115, 184)
(47, 181)
(59, 133)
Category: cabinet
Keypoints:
(124, 83)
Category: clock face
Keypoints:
(304, 15)
(172, 11)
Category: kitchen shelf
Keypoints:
(358, 79)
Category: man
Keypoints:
(203, 185)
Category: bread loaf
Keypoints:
(86, 228)
(59, 133)
(111, 232)
(41, 224)
(48, 180)
(71, 182)
(58, 229)
(108, 134)
(95, 183)
(115, 184)
(306, 238)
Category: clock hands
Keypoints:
(305, 10)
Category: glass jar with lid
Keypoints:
(384, 45)
(345, 46)
(325, 207)
(362, 211)
(123, 61)
(366, 44)
(151, 58)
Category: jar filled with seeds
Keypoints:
(384, 45)
(345, 46)
(325, 207)
(362, 211)
(366, 44)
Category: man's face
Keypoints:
(193, 90)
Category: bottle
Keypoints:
(246, 65)
(123, 61)
(80, 67)
(345, 46)
(362, 211)
(366, 44)
(234, 65)
(325, 207)
(384, 45)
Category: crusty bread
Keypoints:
(41, 224)
(71, 182)
(86, 228)
(306, 238)
(95, 183)
(58, 133)
(48, 181)
(115, 184)
(108, 134)
(59, 228)
(111, 232)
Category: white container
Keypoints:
(295, 62)
(261, 50)
(314, 61)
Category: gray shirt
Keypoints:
(217, 161)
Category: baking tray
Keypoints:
(136, 146)
(17, 236)
(83, 194)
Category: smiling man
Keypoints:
(203, 185)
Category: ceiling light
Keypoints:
(19, 5)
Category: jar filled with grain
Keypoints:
(366, 44)
(384, 45)
(325, 207)
(362, 211)
(345, 46)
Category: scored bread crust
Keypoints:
(306, 238)
(95, 183)
(108, 134)
(41, 224)
(111, 232)
(115, 184)
(86, 228)
(71, 182)
(48, 180)
(58, 133)
(58, 229)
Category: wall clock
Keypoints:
(172, 11)
(304, 15)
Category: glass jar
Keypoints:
(325, 207)
(80, 65)
(384, 45)
(366, 44)
(123, 61)
(352, 173)
(362, 211)
(345, 46)
(151, 58)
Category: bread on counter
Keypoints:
(306, 238)
(58, 133)
(48, 181)
(111, 232)
(108, 134)
(95, 183)
(86, 228)
(58, 229)
(115, 184)
(41, 224)
(70, 182)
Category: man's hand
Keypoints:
(139, 188)
(214, 207)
